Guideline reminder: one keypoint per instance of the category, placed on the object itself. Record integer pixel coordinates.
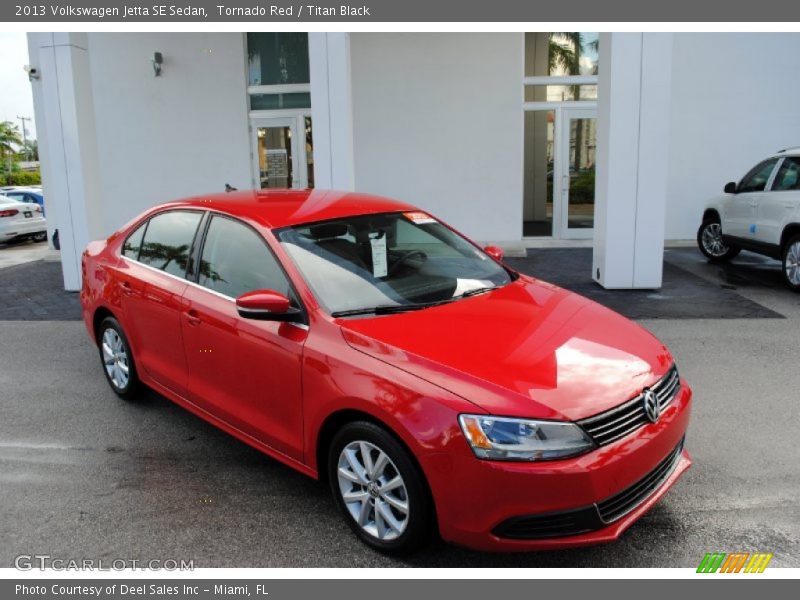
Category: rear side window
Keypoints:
(236, 260)
(756, 179)
(788, 177)
(168, 240)
(131, 246)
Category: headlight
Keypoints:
(501, 438)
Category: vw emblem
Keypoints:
(651, 406)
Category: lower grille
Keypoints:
(594, 517)
(621, 504)
(618, 422)
(536, 527)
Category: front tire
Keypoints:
(711, 244)
(791, 263)
(379, 489)
(117, 359)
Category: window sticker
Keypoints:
(379, 262)
(419, 217)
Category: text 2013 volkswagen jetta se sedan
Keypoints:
(362, 341)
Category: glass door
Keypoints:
(282, 152)
(576, 172)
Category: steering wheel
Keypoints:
(406, 256)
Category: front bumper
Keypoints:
(481, 504)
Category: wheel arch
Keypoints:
(100, 313)
(338, 419)
(789, 231)
(711, 213)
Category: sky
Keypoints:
(15, 90)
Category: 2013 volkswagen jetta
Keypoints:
(362, 341)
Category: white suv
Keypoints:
(761, 213)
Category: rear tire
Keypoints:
(40, 237)
(790, 263)
(379, 489)
(711, 244)
(117, 359)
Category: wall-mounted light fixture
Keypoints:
(158, 60)
(33, 72)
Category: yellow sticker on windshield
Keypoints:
(419, 217)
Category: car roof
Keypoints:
(282, 208)
(20, 190)
(791, 151)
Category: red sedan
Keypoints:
(362, 341)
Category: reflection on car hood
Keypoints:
(527, 349)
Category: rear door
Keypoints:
(778, 205)
(151, 285)
(740, 217)
(246, 372)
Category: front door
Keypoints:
(245, 372)
(282, 152)
(741, 210)
(575, 173)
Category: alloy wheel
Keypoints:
(373, 490)
(115, 359)
(712, 240)
(792, 264)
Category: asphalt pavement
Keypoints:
(86, 475)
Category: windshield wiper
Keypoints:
(477, 291)
(386, 309)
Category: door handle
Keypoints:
(192, 317)
(127, 289)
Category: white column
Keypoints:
(331, 110)
(632, 159)
(67, 144)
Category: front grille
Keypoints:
(594, 517)
(618, 422)
(624, 502)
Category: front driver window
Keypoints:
(236, 260)
(756, 179)
(788, 177)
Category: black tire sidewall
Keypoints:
(131, 388)
(418, 530)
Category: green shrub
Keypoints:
(22, 178)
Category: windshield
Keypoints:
(388, 262)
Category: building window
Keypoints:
(561, 67)
(560, 99)
(561, 54)
(278, 74)
(277, 58)
(279, 93)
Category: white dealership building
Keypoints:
(517, 139)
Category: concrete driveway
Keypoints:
(18, 253)
(85, 475)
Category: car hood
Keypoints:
(528, 349)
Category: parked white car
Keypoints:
(21, 220)
(760, 213)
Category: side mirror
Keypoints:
(495, 252)
(266, 305)
(730, 187)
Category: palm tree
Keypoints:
(9, 138)
(30, 150)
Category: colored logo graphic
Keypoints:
(738, 562)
